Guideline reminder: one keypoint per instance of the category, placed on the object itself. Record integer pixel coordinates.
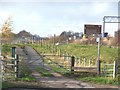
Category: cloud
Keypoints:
(33, 17)
(56, 17)
(100, 8)
(4, 15)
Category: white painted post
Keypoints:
(16, 66)
(114, 70)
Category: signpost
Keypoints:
(98, 41)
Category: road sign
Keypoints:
(97, 39)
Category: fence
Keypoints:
(89, 64)
(83, 66)
(9, 68)
(110, 70)
(61, 61)
(71, 63)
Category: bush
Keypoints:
(6, 48)
(23, 70)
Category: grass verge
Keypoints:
(43, 72)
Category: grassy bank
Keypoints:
(108, 54)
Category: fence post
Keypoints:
(2, 69)
(99, 67)
(84, 61)
(60, 52)
(16, 66)
(64, 55)
(90, 62)
(72, 64)
(115, 69)
(13, 54)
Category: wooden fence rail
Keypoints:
(84, 64)
(80, 68)
(110, 70)
(9, 69)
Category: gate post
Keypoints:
(72, 64)
(115, 69)
(16, 66)
(13, 55)
(99, 67)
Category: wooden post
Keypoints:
(60, 52)
(16, 66)
(2, 70)
(13, 54)
(41, 42)
(64, 55)
(89, 62)
(84, 61)
(99, 68)
(72, 64)
(115, 69)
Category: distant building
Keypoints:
(105, 34)
(117, 34)
(76, 35)
(91, 30)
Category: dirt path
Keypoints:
(57, 81)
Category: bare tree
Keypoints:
(6, 34)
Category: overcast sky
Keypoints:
(47, 18)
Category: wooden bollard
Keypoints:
(72, 64)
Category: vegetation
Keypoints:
(43, 72)
(91, 77)
(25, 72)
(6, 29)
(108, 55)
(99, 80)
(6, 48)
(7, 84)
(27, 78)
